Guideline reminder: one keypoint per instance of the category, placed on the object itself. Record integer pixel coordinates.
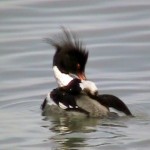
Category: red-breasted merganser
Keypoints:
(75, 93)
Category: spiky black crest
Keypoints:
(69, 53)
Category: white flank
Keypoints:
(61, 105)
(61, 78)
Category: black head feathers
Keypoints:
(70, 55)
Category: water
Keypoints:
(117, 35)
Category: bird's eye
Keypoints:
(78, 66)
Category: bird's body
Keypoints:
(75, 94)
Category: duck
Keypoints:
(75, 94)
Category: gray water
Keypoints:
(117, 35)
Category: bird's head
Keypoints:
(70, 56)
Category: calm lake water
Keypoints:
(117, 35)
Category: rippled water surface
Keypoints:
(117, 35)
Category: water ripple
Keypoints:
(117, 36)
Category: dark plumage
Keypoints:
(111, 101)
(70, 56)
(67, 94)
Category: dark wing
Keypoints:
(66, 101)
(114, 102)
(63, 99)
(65, 96)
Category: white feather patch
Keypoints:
(81, 86)
(61, 105)
(90, 86)
(61, 78)
(49, 101)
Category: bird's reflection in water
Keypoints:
(69, 131)
(73, 132)
(64, 125)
